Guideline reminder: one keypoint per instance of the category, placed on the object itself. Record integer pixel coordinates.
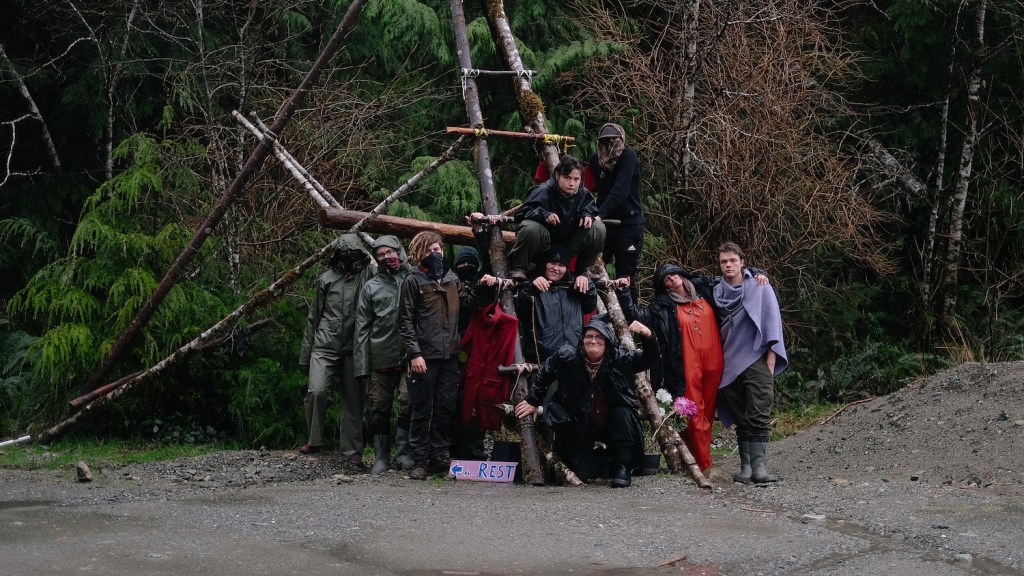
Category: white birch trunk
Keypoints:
(964, 172)
(51, 149)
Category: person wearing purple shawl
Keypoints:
(750, 323)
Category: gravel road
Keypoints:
(926, 481)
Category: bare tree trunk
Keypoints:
(112, 77)
(532, 469)
(51, 149)
(691, 13)
(902, 174)
(531, 109)
(256, 158)
(928, 256)
(964, 172)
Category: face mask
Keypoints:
(433, 264)
(466, 273)
(391, 262)
(351, 257)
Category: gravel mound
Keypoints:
(961, 427)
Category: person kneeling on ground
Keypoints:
(595, 389)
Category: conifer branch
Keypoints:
(255, 160)
(262, 298)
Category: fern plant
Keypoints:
(126, 238)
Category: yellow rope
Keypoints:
(480, 132)
(555, 139)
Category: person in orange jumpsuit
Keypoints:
(684, 321)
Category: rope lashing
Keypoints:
(468, 73)
(269, 138)
(555, 140)
(480, 132)
(524, 367)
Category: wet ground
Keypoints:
(51, 525)
(928, 481)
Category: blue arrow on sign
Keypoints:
(456, 469)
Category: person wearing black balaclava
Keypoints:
(428, 321)
(328, 346)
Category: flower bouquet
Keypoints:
(677, 410)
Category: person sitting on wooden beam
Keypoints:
(596, 393)
(560, 210)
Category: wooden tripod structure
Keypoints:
(530, 110)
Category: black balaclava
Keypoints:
(433, 265)
(348, 260)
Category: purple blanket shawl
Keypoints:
(752, 330)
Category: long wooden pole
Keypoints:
(402, 227)
(533, 471)
(531, 108)
(255, 160)
(479, 132)
(269, 294)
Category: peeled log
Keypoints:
(403, 227)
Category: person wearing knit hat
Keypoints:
(616, 171)
(552, 306)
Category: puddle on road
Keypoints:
(881, 545)
(682, 568)
(27, 504)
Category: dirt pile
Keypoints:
(961, 427)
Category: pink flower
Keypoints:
(684, 407)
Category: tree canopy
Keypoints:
(867, 154)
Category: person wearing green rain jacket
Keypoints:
(379, 356)
(328, 346)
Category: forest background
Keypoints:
(869, 155)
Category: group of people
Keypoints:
(715, 340)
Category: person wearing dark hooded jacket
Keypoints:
(379, 357)
(595, 388)
(552, 306)
(615, 169)
(428, 322)
(328, 347)
(562, 211)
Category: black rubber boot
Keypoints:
(381, 454)
(759, 461)
(743, 476)
(621, 467)
(402, 456)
